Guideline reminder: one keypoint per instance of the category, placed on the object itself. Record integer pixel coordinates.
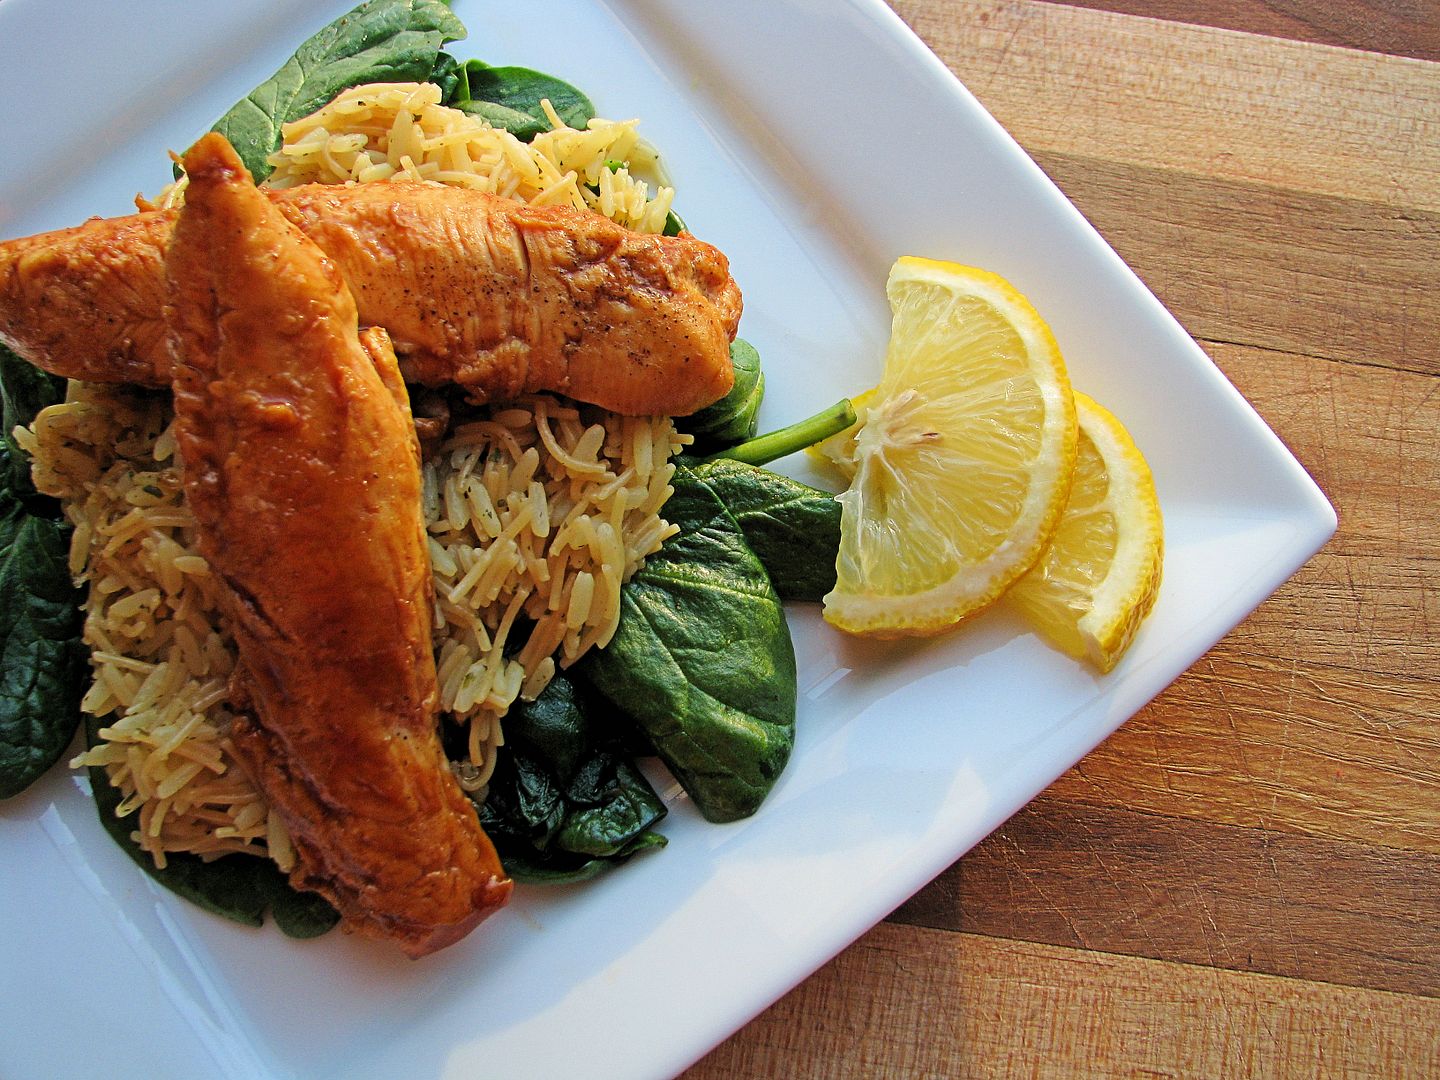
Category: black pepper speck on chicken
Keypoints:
(496, 296)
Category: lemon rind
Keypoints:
(937, 609)
(1128, 592)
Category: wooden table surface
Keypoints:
(1245, 879)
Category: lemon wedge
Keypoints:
(1100, 575)
(961, 461)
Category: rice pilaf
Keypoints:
(537, 514)
(400, 131)
(160, 653)
(536, 510)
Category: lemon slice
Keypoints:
(960, 466)
(1101, 573)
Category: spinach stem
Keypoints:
(764, 449)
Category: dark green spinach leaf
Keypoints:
(793, 527)
(509, 98)
(449, 75)
(379, 41)
(26, 390)
(702, 659)
(42, 677)
(238, 887)
(731, 419)
(565, 801)
(42, 661)
(563, 868)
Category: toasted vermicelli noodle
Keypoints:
(400, 131)
(160, 655)
(536, 512)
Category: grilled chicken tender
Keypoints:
(303, 473)
(478, 290)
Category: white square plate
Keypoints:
(813, 142)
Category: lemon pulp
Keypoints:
(961, 462)
(1100, 575)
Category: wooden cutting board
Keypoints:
(1245, 879)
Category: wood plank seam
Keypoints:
(1139, 883)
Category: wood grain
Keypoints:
(1321, 713)
(1120, 881)
(1318, 714)
(1292, 272)
(1244, 880)
(1216, 103)
(935, 1004)
(1398, 27)
(1369, 437)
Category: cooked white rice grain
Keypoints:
(400, 131)
(535, 513)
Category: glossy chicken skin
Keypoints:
(88, 302)
(302, 470)
(474, 289)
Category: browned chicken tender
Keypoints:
(302, 470)
(478, 290)
(88, 302)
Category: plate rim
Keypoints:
(1312, 516)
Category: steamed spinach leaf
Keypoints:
(379, 41)
(26, 390)
(557, 867)
(565, 800)
(43, 679)
(238, 887)
(40, 650)
(509, 98)
(792, 527)
(42, 661)
(449, 75)
(702, 659)
(731, 419)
